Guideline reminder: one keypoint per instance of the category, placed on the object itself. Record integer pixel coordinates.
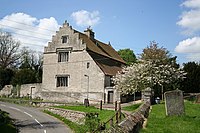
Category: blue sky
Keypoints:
(174, 24)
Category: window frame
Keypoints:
(63, 56)
(64, 39)
(62, 81)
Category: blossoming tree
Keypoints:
(143, 74)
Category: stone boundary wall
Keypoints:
(134, 122)
(30, 90)
(47, 104)
(6, 91)
(74, 116)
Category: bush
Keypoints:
(92, 121)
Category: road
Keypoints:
(32, 120)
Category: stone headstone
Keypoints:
(147, 94)
(174, 103)
(198, 99)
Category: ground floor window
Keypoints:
(62, 81)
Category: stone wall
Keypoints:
(6, 91)
(31, 90)
(74, 116)
(71, 97)
(134, 122)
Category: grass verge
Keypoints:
(158, 122)
(103, 116)
(6, 124)
(131, 107)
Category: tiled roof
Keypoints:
(108, 60)
(101, 48)
(107, 69)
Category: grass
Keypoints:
(104, 115)
(6, 125)
(158, 122)
(131, 107)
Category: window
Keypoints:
(62, 81)
(63, 56)
(88, 64)
(109, 81)
(65, 39)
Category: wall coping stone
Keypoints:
(133, 123)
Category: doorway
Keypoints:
(110, 96)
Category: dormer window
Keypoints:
(65, 39)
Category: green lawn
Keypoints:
(158, 122)
(132, 107)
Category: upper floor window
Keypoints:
(65, 39)
(63, 56)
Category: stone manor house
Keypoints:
(77, 66)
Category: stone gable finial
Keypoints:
(109, 43)
(89, 28)
(65, 24)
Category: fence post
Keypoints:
(111, 122)
(117, 120)
(115, 105)
(101, 105)
(120, 113)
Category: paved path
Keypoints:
(32, 120)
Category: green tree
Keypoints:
(127, 55)
(24, 76)
(32, 60)
(191, 83)
(6, 76)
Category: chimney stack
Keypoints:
(89, 32)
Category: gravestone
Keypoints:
(174, 103)
(198, 99)
(147, 94)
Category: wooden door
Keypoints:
(110, 96)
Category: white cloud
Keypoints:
(190, 20)
(191, 3)
(190, 45)
(84, 18)
(30, 31)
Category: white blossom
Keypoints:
(145, 74)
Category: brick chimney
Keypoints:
(89, 32)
